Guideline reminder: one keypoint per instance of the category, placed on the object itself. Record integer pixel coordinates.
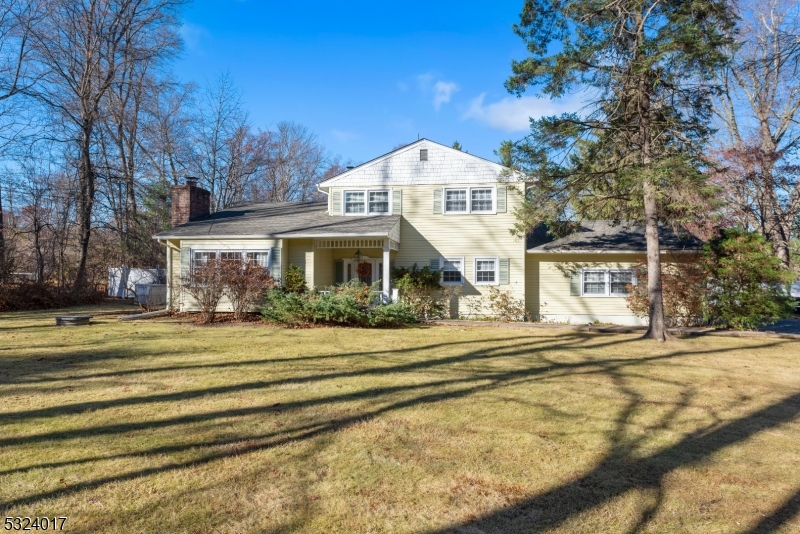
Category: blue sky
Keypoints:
(367, 76)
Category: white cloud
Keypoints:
(424, 81)
(192, 34)
(442, 91)
(343, 136)
(430, 83)
(513, 114)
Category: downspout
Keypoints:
(324, 193)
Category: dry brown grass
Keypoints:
(166, 426)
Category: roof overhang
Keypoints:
(275, 236)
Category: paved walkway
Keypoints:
(792, 331)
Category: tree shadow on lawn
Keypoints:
(779, 517)
(618, 472)
(14, 373)
(513, 348)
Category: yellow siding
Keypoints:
(371, 253)
(323, 267)
(301, 253)
(425, 236)
(532, 286)
(187, 303)
(174, 278)
(555, 301)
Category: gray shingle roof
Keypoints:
(282, 219)
(602, 236)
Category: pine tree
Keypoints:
(635, 152)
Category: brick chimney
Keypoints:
(189, 202)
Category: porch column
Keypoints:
(386, 272)
(169, 276)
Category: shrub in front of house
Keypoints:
(294, 281)
(421, 290)
(749, 285)
(736, 282)
(504, 307)
(351, 304)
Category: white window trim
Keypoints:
(494, 200)
(452, 258)
(366, 201)
(469, 189)
(607, 278)
(219, 251)
(496, 261)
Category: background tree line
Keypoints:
(95, 129)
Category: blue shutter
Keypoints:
(435, 264)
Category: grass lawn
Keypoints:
(165, 426)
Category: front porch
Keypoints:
(336, 260)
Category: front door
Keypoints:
(375, 271)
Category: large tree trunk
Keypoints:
(37, 247)
(657, 329)
(85, 204)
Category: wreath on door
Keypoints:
(364, 269)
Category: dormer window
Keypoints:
(354, 203)
(423, 154)
(369, 202)
(379, 201)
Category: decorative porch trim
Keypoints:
(349, 243)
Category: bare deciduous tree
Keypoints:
(222, 135)
(206, 285)
(295, 163)
(245, 284)
(15, 78)
(84, 48)
(759, 111)
(165, 134)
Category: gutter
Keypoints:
(274, 236)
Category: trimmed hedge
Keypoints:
(352, 304)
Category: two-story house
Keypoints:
(424, 204)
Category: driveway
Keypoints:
(786, 326)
